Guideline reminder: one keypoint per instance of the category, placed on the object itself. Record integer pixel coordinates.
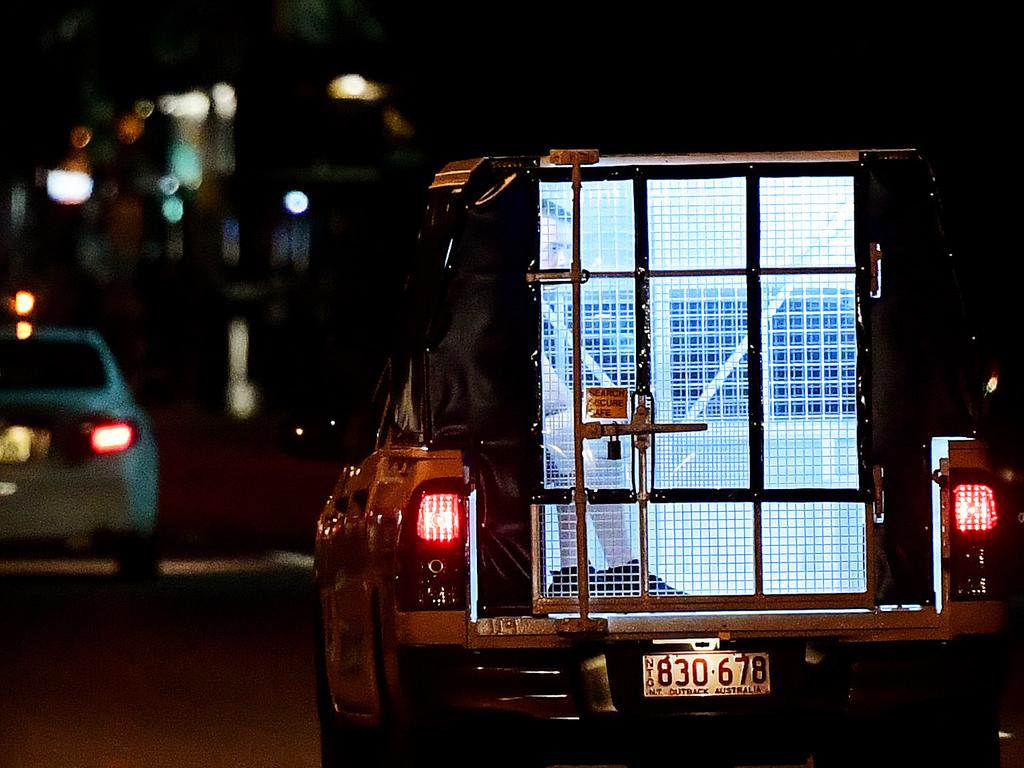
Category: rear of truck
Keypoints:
(737, 392)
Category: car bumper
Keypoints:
(604, 682)
(109, 494)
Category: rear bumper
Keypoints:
(879, 625)
(109, 494)
(599, 683)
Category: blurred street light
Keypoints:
(173, 209)
(296, 202)
(80, 137)
(194, 105)
(68, 187)
(355, 87)
(224, 100)
(24, 303)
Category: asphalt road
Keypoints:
(209, 666)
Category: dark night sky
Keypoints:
(526, 77)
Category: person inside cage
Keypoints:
(613, 528)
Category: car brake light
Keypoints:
(439, 517)
(432, 570)
(974, 508)
(111, 438)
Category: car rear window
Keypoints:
(50, 365)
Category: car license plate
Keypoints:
(710, 673)
(19, 444)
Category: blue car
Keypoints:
(78, 460)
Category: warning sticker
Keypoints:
(607, 402)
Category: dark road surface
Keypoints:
(210, 666)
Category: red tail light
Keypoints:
(439, 517)
(111, 438)
(432, 569)
(974, 508)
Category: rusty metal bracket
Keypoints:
(580, 626)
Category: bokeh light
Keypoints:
(24, 303)
(355, 87)
(224, 100)
(80, 137)
(296, 202)
(173, 209)
(144, 108)
(129, 128)
(68, 187)
(169, 185)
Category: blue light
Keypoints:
(173, 209)
(296, 202)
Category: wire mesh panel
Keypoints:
(613, 549)
(609, 360)
(697, 223)
(700, 332)
(807, 221)
(607, 240)
(813, 548)
(701, 549)
(808, 328)
(699, 370)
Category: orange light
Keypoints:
(129, 128)
(111, 438)
(80, 137)
(23, 330)
(974, 507)
(24, 303)
(439, 517)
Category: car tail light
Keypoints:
(974, 508)
(439, 517)
(112, 437)
(976, 546)
(432, 569)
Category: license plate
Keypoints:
(19, 444)
(711, 673)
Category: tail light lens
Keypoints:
(433, 567)
(111, 437)
(974, 508)
(975, 542)
(439, 518)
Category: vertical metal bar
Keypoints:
(642, 323)
(535, 552)
(755, 374)
(642, 507)
(864, 286)
(758, 561)
(870, 583)
(641, 298)
(579, 490)
(862, 296)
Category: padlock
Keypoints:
(614, 448)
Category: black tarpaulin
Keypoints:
(923, 363)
